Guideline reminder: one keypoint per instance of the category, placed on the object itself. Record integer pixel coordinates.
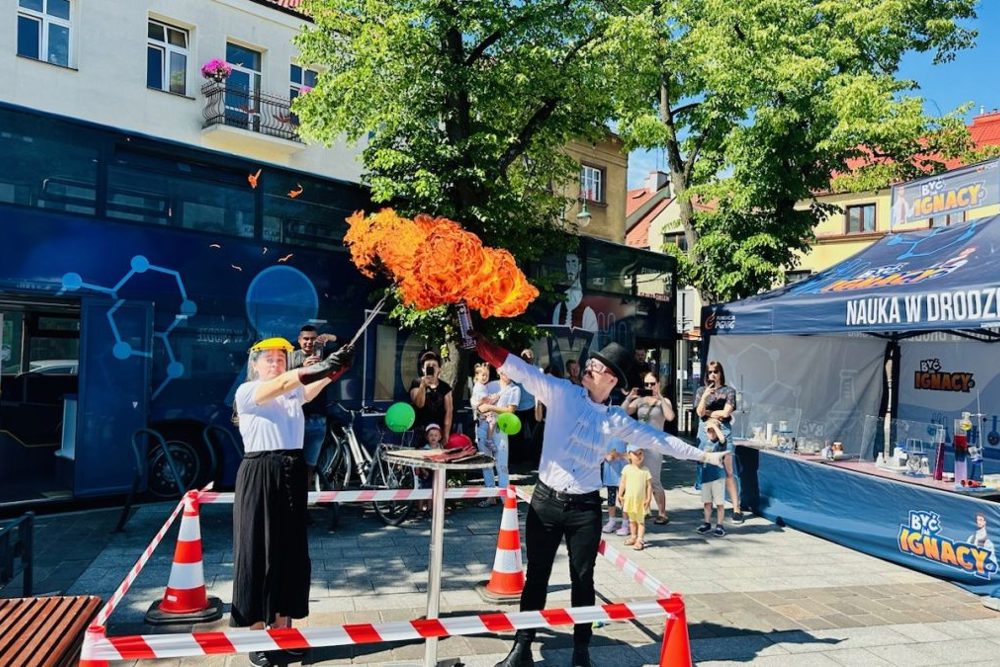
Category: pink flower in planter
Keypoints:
(216, 69)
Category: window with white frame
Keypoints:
(166, 57)
(591, 183)
(43, 30)
(302, 80)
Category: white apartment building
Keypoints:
(135, 66)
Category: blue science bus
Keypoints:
(135, 273)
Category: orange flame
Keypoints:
(435, 262)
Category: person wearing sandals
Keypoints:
(717, 400)
(713, 481)
(635, 493)
(611, 477)
(566, 502)
(650, 406)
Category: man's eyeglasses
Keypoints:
(595, 366)
(649, 384)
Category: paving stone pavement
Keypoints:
(762, 595)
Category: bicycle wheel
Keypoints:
(385, 475)
(333, 467)
(161, 482)
(332, 472)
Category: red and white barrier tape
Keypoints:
(138, 647)
(373, 495)
(615, 557)
(636, 572)
(105, 613)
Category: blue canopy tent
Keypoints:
(941, 279)
(903, 329)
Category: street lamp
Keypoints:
(583, 217)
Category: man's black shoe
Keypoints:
(738, 517)
(581, 656)
(262, 659)
(519, 656)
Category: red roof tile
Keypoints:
(636, 198)
(984, 131)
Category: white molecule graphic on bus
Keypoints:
(122, 349)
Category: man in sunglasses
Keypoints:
(566, 501)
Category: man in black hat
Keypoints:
(566, 501)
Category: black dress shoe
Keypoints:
(262, 658)
(519, 656)
(581, 656)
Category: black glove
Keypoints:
(332, 367)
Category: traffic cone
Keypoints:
(185, 600)
(94, 634)
(676, 649)
(507, 581)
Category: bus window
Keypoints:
(10, 344)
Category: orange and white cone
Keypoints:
(186, 600)
(507, 581)
(676, 649)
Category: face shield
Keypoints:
(262, 348)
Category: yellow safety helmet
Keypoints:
(275, 343)
(254, 353)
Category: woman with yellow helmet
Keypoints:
(271, 568)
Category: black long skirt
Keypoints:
(271, 567)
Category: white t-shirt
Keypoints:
(275, 425)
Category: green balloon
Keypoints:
(509, 423)
(400, 417)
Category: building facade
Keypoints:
(861, 218)
(136, 67)
(602, 187)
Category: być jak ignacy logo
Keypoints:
(922, 538)
(932, 376)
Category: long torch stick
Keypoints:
(375, 311)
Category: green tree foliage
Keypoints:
(465, 105)
(758, 103)
(468, 104)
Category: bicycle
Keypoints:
(343, 457)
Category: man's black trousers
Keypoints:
(551, 517)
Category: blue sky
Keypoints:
(970, 77)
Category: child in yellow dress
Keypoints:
(635, 491)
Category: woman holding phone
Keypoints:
(717, 400)
(431, 397)
(650, 406)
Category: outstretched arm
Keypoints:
(320, 373)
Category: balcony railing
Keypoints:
(236, 106)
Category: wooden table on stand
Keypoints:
(434, 561)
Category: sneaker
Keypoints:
(737, 517)
(609, 527)
(704, 529)
(624, 530)
(719, 531)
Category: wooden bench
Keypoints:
(44, 631)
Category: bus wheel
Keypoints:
(162, 483)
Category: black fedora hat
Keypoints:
(617, 359)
